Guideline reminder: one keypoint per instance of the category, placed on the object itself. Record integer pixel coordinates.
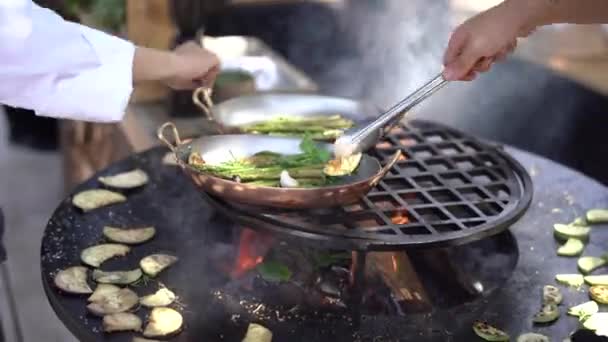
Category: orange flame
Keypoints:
(400, 217)
(253, 246)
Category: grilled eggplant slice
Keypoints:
(163, 322)
(584, 310)
(572, 247)
(101, 291)
(131, 236)
(97, 255)
(532, 337)
(153, 264)
(599, 293)
(125, 180)
(92, 199)
(113, 302)
(597, 216)
(565, 232)
(552, 295)
(573, 280)
(548, 313)
(489, 333)
(597, 279)
(590, 264)
(73, 280)
(257, 333)
(162, 297)
(117, 277)
(122, 321)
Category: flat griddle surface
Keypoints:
(186, 226)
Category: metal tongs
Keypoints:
(359, 139)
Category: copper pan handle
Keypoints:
(202, 98)
(383, 171)
(161, 135)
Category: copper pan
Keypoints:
(219, 148)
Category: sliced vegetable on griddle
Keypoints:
(548, 313)
(552, 295)
(572, 247)
(130, 236)
(122, 321)
(257, 333)
(590, 264)
(153, 264)
(597, 279)
(573, 280)
(584, 310)
(117, 277)
(599, 293)
(163, 322)
(597, 321)
(88, 200)
(597, 216)
(97, 255)
(565, 232)
(101, 291)
(125, 180)
(489, 333)
(141, 339)
(162, 297)
(73, 280)
(113, 302)
(532, 337)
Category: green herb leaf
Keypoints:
(312, 150)
(274, 271)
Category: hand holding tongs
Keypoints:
(358, 140)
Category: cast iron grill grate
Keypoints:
(449, 189)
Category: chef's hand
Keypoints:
(189, 66)
(484, 39)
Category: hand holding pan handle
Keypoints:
(202, 98)
(374, 181)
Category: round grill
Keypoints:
(450, 189)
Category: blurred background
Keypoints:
(548, 98)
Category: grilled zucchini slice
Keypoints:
(584, 310)
(97, 255)
(163, 322)
(565, 232)
(597, 216)
(597, 279)
(532, 337)
(122, 321)
(112, 302)
(572, 247)
(73, 280)
(117, 277)
(548, 313)
(153, 264)
(93, 199)
(489, 333)
(257, 333)
(130, 236)
(590, 264)
(125, 180)
(573, 280)
(162, 297)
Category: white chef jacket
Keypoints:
(62, 69)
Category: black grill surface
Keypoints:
(452, 188)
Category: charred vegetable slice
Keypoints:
(489, 333)
(574, 280)
(257, 333)
(584, 310)
(162, 297)
(92, 199)
(552, 295)
(113, 302)
(122, 321)
(532, 337)
(548, 313)
(163, 322)
(156, 263)
(125, 180)
(117, 277)
(597, 321)
(572, 247)
(566, 232)
(597, 216)
(342, 166)
(97, 255)
(101, 291)
(73, 280)
(597, 279)
(589, 264)
(599, 293)
(129, 236)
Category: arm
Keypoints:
(65, 70)
(491, 35)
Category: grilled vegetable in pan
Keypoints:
(73, 280)
(129, 236)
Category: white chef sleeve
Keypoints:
(62, 69)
